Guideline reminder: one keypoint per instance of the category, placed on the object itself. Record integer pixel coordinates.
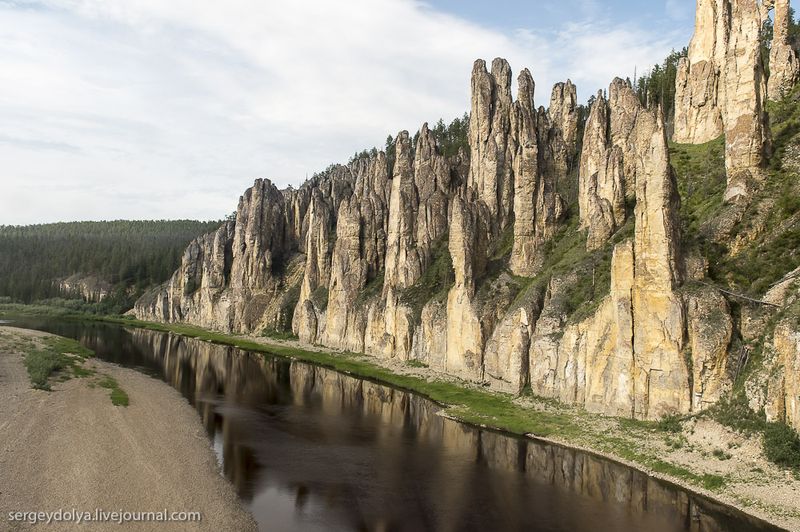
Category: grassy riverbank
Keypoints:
(693, 451)
(50, 359)
(51, 356)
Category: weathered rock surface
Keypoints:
(90, 288)
(438, 260)
(784, 63)
(541, 159)
(784, 384)
(721, 88)
(608, 163)
(468, 246)
(710, 331)
(627, 358)
(491, 154)
(563, 114)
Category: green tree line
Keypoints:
(130, 255)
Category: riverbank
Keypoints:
(73, 448)
(695, 452)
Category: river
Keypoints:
(308, 448)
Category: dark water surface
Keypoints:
(312, 449)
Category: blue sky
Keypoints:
(506, 15)
(153, 109)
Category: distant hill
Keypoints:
(108, 264)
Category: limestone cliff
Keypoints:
(721, 88)
(478, 264)
(607, 173)
(628, 357)
(347, 260)
(90, 288)
(784, 63)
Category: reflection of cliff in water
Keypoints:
(382, 458)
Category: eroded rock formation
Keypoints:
(445, 260)
(784, 63)
(721, 88)
(607, 173)
(627, 358)
(90, 288)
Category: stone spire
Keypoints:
(784, 65)
(489, 130)
(721, 88)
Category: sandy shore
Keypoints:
(72, 449)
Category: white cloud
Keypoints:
(153, 109)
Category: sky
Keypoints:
(169, 109)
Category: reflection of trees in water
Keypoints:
(377, 456)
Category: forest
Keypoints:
(129, 255)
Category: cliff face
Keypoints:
(608, 163)
(784, 64)
(480, 266)
(435, 262)
(722, 87)
(90, 288)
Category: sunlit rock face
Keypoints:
(607, 175)
(722, 88)
(447, 258)
(784, 64)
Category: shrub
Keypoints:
(735, 412)
(782, 445)
(670, 423)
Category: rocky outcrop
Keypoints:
(660, 375)
(246, 276)
(631, 357)
(784, 63)
(540, 160)
(784, 383)
(699, 86)
(627, 358)
(468, 246)
(90, 288)
(563, 114)
(710, 331)
(358, 256)
(491, 156)
(441, 259)
(317, 273)
(607, 173)
(721, 88)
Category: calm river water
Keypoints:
(312, 449)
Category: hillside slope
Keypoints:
(106, 263)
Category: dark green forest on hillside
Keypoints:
(129, 255)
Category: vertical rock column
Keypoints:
(537, 206)
(307, 316)
(784, 65)
(608, 163)
(698, 105)
(526, 180)
(563, 113)
(468, 248)
(358, 256)
(491, 151)
(403, 263)
(721, 87)
(746, 126)
(661, 377)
